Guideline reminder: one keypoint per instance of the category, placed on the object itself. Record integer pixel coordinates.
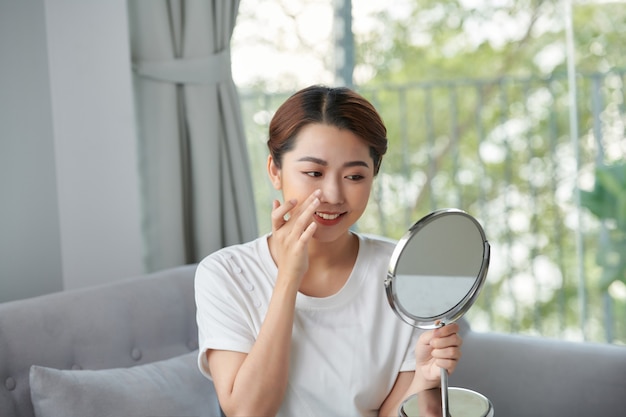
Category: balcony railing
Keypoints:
(502, 150)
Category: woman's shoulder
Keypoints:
(250, 253)
(377, 241)
(234, 269)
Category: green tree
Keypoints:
(447, 40)
(477, 105)
(476, 100)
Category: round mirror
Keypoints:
(435, 274)
(437, 269)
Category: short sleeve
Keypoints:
(408, 364)
(221, 314)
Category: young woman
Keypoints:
(296, 323)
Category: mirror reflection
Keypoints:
(437, 269)
(439, 266)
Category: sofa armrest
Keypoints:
(125, 323)
(532, 376)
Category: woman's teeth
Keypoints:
(327, 216)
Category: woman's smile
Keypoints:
(328, 219)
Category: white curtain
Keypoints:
(196, 184)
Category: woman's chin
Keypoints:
(326, 235)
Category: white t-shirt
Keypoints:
(347, 349)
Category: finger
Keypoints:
(453, 340)
(275, 206)
(300, 217)
(306, 204)
(304, 214)
(424, 341)
(443, 337)
(447, 330)
(280, 211)
(308, 232)
(447, 364)
(453, 353)
(423, 348)
(290, 209)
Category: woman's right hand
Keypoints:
(255, 383)
(292, 230)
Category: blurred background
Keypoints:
(513, 110)
(482, 115)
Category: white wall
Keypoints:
(69, 190)
(30, 254)
(94, 136)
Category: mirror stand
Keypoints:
(445, 405)
(463, 402)
(435, 274)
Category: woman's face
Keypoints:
(338, 163)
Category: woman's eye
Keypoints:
(355, 177)
(313, 173)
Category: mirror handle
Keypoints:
(444, 393)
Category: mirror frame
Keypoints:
(458, 310)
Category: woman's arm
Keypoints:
(254, 384)
(435, 349)
(401, 390)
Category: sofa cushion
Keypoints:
(172, 387)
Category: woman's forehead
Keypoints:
(340, 153)
(327, 138)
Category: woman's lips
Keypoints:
(328, 219)
(328, 216)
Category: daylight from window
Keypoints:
(477, 97)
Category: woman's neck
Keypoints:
(330, 266)
(331, 252)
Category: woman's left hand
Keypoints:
(436, 349)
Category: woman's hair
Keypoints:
(339, 107)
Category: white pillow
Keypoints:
(173, 387)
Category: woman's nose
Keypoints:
(332, 192)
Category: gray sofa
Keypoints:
(128, 349)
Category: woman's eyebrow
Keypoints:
(317, 161)
(325, 163)
(356, 164)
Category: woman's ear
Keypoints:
(274, 173)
